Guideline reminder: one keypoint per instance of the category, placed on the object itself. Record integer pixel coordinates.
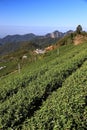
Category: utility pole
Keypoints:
(19, 68)
(58, 52)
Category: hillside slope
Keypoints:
(36, 43)
(28, 100)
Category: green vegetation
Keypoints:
(22, 94)
(64, 109)
(11, 54)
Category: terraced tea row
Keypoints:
(66, 108)
(12, 85)
(17, 108)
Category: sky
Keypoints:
(41, 16)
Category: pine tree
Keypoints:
(79, 29)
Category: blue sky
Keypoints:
(41, 16)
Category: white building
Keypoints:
(39, 51)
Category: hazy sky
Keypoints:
(41, 16)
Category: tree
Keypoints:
(79, 29)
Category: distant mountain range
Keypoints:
(11, 43)
(17, 38)
(31, 36)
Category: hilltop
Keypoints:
(75, 38)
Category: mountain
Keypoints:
(68, 32)
(58, 34)
(17, 38)
(12, 43)
(31, 36)
(11, 47)
(28, 45)
(55, 34)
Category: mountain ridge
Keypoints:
(31, 36)
(11, 43)
(17, 38)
